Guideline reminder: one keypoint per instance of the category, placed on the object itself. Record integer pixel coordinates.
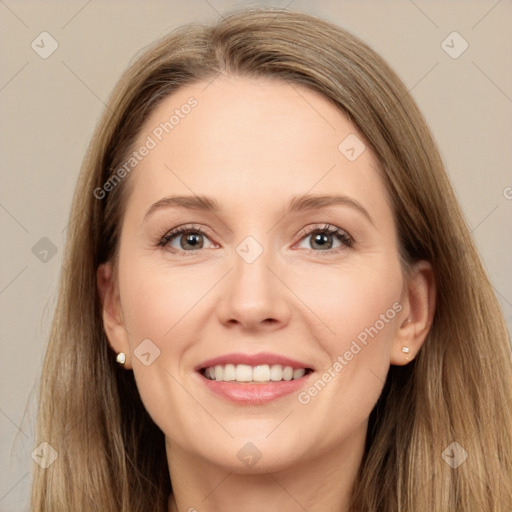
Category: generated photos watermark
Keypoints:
(157, 135)
(305, 397)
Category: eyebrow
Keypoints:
(307, 202)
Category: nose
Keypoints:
(254, 298)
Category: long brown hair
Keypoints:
(111, 455)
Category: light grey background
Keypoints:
(50, 106)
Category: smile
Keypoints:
(253, 379)
(253, 374)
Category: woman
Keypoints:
(270, 298)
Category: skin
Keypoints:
(253, 144)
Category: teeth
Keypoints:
(297, 374)
(288, 373)
(261, 373)
(246, 373)
(243, 373)
(229, 372)
(276, 372)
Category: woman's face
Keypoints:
(297, 267)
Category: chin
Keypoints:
(253, 454)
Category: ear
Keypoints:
(113, 321)
(419, 301)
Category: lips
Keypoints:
(253, 378)
(253, 360)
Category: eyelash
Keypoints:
(341, 235)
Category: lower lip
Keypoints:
(254, 393)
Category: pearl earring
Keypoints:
(405, 350)
(121, 358)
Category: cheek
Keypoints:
(358, 309)
(156, 300)
(158, 306)
(347, 302)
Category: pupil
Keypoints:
(193, 240)
(322, 239)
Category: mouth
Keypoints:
(259, 374)
(253, 379)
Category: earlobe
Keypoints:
(113, 322)
(418, 313)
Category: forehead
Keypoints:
(243, 139)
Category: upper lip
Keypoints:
(252, 360)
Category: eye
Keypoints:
(324, 239)
(184, 239)
(191, 238)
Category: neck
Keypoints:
(314, 484)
